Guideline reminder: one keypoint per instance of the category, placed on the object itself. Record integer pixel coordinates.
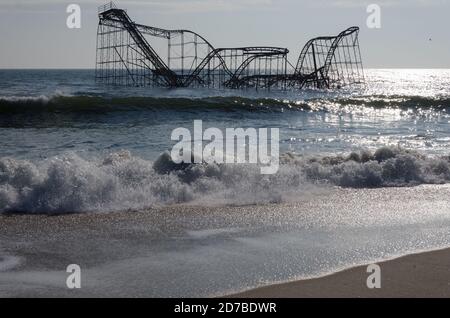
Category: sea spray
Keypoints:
(121, 181)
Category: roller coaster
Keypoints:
(134, 54)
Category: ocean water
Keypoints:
(364, 176)
(70, 145)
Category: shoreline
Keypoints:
(195, 251)
(420, 275)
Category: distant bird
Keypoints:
(430, 39)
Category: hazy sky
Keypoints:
(413, 34)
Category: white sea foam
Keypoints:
(37, 99)
(120, 181)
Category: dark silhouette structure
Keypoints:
(133, 54)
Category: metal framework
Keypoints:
(182, 58)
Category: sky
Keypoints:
(412, 34)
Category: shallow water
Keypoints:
(193, 251)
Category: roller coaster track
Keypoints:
(254, 53)
(215, 53)
(322, 72)
(161, 68)
(323, 62)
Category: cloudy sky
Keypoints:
(413, 34)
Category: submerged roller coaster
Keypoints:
(134, 54)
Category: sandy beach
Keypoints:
(189, 251)
(420, 275)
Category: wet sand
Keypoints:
(188, 251)
(420, 275)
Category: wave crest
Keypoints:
(79, 104)
(122, 182)
(386, 167)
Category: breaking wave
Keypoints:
(121, 181)
(322, 102)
